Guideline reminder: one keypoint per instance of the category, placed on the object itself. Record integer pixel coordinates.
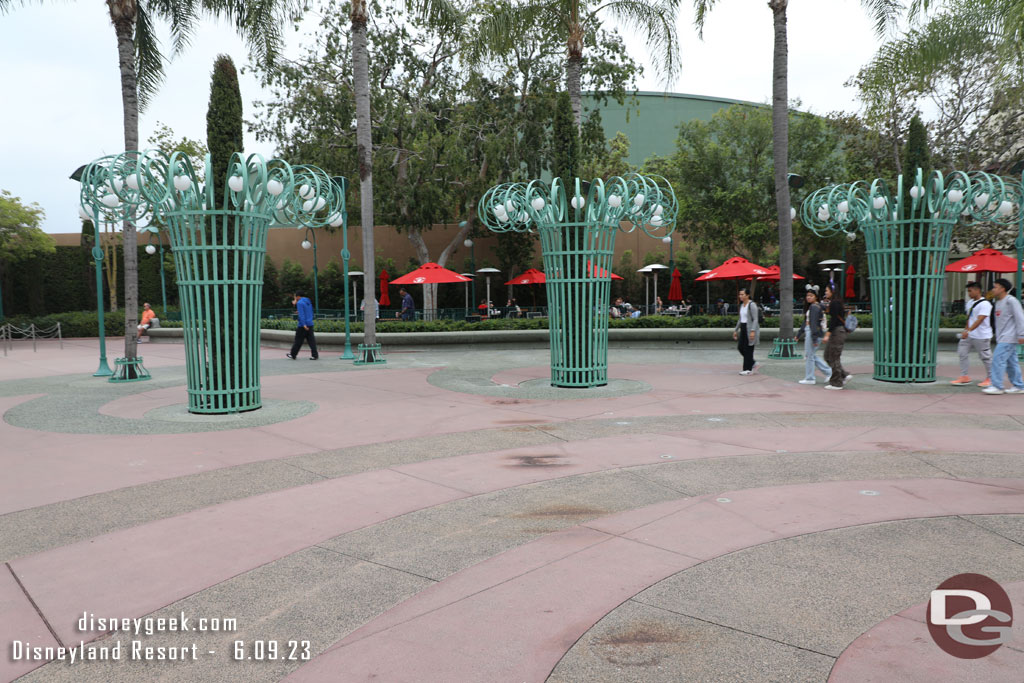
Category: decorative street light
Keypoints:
(472, 262)
(707, 292)
(87, 213)
(219, 247)
(577, 225)
(355, 283)
(150, 249)
(306, 244)
(908, 234)
(341, 221)
(465, 286)
(671, 251)
(488, 272)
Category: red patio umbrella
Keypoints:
(429, 274)
(675, 290)
(851, 293)
(774, 275)
(603, 272)
(385, 298)
(736, 268)
(984, 261)
(528, 277)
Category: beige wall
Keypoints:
(286, 243)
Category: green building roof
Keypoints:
(651, 121)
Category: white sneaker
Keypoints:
(756, 367)
(847, 378)
(992, 390)
(1014, 390)
(806, 381)
(833, 387)
(747, 372)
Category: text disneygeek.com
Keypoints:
(138, 650)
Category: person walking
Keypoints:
(304, 330)
(835, 337)
(1009, 331)
(812, 333)
(408, 306)
(747, 332)
(977, 336)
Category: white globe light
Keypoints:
(275, 187)
(110, 200)
(182, 183)
(955, 196)
(132, 181)
(666, 240)
(1005, 208)
(306, 244)
(878, 202)
(844, 206)
(468, 244)
(150, 249)
(792, 213)
(499, 211)
(84, 213)
(116, 184)
(915, 191)
(824, 212)
(852, 236)
(656, 220)
(658, 210)
(336, 220)
(981, 200)
(320, 203)
(614, 201)
(639, 199)
(509, 206)
(537, 203)
(306, 192)
(578, 202)
(308, 205)
(236, 183)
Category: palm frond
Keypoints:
(701, 9)
(149, 61)
(499, 29)
(182, 15)
(436, 12)
(886, 12)
(657, 20)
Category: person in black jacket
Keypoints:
(835, 337)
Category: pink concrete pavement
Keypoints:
(527, 606)
(900, 649)
(19, 621)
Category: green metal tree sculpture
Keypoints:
(577, 232)
(908, 235)
(219, 245)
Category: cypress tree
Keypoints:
(223, 121)
(916, 154)
(565, 144)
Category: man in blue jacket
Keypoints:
(305, 329)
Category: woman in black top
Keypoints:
(835, 337)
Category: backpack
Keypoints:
(851, 322)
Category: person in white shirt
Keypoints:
(977, 336)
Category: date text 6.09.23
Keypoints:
(271, 650)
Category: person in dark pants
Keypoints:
(304, 331)
(408, 306)
(835, 337)
(747, 333)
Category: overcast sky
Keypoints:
(62, 103)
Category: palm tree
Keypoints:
(435, 12)
(142, 68)
(656, 19)
(884, 13)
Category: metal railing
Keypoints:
(9, 332)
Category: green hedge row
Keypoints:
(84, 324)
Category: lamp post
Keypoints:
(150, 249)
(465, 286)
(356, 274)
(341, 221)
(91, 214)
(671, 251)
(644, 272)
(707, 291)
(488, 272)
(654, 268)
(306, 244)
(472, 264)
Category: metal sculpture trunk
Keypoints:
(219, 249)
(908, 237)
(577, 235)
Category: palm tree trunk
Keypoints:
(364, 154)
(573, 69)
(780, 153)
(123, 14)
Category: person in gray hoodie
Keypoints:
(1008, 320)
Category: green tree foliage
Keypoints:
(726, 170)
(917, 155)
(332, 285)
(21, 238)
(164, 139)
(272, 295)
(223, 121)
(293, 279)
(565, 142)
